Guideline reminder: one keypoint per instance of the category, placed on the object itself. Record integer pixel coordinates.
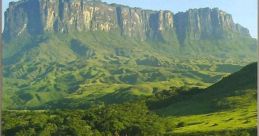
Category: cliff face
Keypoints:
(206, 23)
(64, 16)
(68, 16)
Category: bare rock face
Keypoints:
(34, 17)
(206, 23)
(23, 17)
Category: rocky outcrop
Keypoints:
(64, 16)
(206, 23)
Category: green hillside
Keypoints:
(228, 104)
(62, 67)
(226, 108)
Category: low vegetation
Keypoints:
(215, 111)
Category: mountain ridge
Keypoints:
(84, 15)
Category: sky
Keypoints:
(243, 12)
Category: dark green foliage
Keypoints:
(26, 96)
(166, 97)
(180, 124)
(131, 118)
(125, 119)
(81, 49)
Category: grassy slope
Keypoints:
(226, 108)
(228, 104)
(50, 68)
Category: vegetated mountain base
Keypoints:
(63, 54)
(226, 108)
(54, 70)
